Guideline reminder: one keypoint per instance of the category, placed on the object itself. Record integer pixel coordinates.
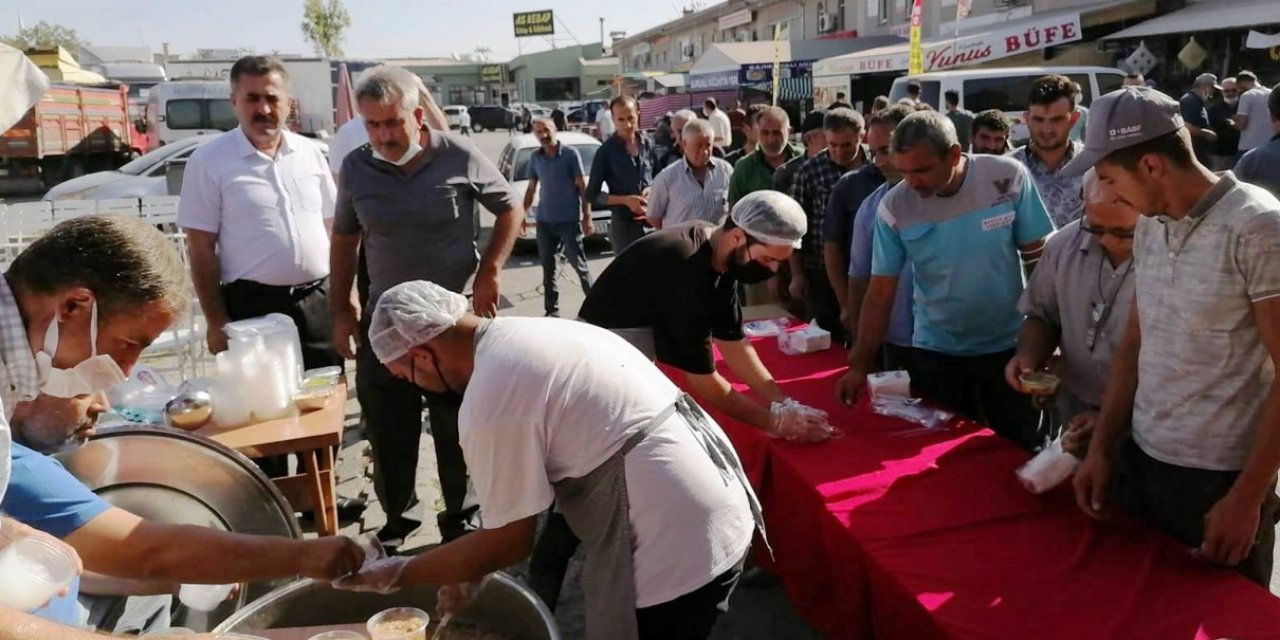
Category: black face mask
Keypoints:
(746, 270)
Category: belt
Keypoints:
(293, 291)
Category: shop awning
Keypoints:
(1000, 40)
(670, 80)
(792, 89)
(1206, 16)
(733, 56)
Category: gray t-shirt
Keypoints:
(420, 226)
(1076, 290)
(1203, 371)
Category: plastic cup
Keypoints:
(203, 597)
(338, 635)
(1041, 383)
(400, 623)
(32, 571)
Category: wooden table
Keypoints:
(313, 436)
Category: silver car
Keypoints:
(140, 178)
(515, 164)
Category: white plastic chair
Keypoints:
(69, 209)
(161, 211)
(120, 206)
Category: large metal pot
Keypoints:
(505, 606)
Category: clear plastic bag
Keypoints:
(142, 397)
(765, 328)
(1048, 469)
(913, 411)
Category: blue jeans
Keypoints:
(551, 236)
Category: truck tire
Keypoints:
(477, 127)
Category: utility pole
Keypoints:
(603, 48)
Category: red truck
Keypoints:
(73, 130)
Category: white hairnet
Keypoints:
(772, 217)
(410, 314)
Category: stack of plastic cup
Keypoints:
(32, 571)
(203, 597)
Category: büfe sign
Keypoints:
(1001, 42)
(534, 23)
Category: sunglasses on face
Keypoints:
(1122, 234)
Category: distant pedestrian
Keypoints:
(1077, 131)
(696, 188)
(841, 102)
(879, 104)
(557, 117)
(749, 133)
(719, 122)
(1261, 166)
(624, 163)
(1252, 117)
(563, 214)
(961, 118)
(1222, 113)
(1195, 113)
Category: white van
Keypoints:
(1005, 89)
(185, 108)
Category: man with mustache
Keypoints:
(1051, 113)
(989, 134)
(256, 205)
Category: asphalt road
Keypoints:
(522, 278)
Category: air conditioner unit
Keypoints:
(825, 23)
(687, 51)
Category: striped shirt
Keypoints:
(19, 380)
(677, 197)
(1203, 371)
(812, 188)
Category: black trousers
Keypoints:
(392, 410)
(1176, 499)
(974, 386)
(823, 305)
(691, 616)
(308, 306)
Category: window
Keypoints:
(1108, 82)
(839, 15)
(185, 114)
(195, 113)
(522, 168)
(883, 12)
(151, 160)
(553, 89)
(162, 167)
(1007, 93)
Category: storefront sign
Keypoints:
(915, 58)
(534, 23)
(736, 19)
(717, 80)
(763, 72)
(492, 73)
(948, 53)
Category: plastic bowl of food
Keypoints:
(400, 623)
(1041, 383)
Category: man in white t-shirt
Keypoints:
(559, 410)
(604, 122)
(719, 123)
(1252, 117)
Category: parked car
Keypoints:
(459, 118)
(1005, 89)
(490, 117)
(139, 178)
(515, 164)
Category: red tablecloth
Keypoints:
(877, 535)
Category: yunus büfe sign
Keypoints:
(534, 23)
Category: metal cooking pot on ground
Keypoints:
(171, 476)
(505, 606)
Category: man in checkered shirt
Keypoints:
(812, 188)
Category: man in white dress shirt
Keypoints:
(719, 122)
(257, 204)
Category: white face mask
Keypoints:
(409, 154)
(97, 373)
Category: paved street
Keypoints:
(760, 610)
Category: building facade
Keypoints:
(562, 75)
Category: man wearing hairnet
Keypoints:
(555, 409)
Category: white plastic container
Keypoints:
(231, 407)
(279, 336)
(203, 597)
(32, 571)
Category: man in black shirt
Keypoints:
(624, 163)
(677, 289)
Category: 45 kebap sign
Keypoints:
(534, 23)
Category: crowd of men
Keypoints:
(1110, 253)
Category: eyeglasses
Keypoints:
(1122, 234)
